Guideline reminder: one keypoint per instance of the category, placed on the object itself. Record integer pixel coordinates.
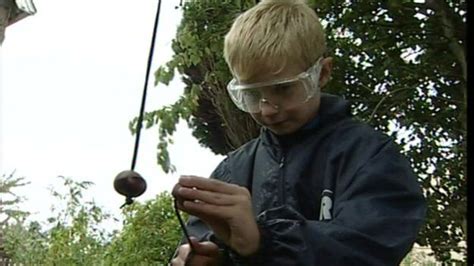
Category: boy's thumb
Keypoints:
(206, 248)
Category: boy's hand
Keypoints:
(226, 208)
(204, 254)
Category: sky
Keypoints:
(71, 80)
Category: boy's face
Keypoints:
(281, 119)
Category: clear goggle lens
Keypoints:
(281, 94)
(286, 95)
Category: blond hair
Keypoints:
(270, 34)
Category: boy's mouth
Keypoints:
(277, 124)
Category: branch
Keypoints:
(441, 7)
(382, 100)
(456, 49)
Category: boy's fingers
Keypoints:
(209, 197)
(202, 253)
(207, 184)
(206, 248)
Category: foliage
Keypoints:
(9, 210)
(149, 236)
(204, 104)
(75, 236)
(418, 257)
(401, 63)
(76, 233)
(25, 243)
(9, 200)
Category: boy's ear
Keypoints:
(326, 70)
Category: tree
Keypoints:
(204, 105)
(9, 200)
(149, 236)
(401, 63)
(25, 243)
(9, 211)
(412, 58)
(76, 234)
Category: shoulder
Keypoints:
(358, 133)
(365, 156)
(244, 151)
(237, 163)
(337, 123)
(357, 142)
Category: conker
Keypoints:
(130, 184)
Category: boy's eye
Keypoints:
(251, 94)
(282, 89)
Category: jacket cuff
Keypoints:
(273, 224)
(258, 257)
(265, 243)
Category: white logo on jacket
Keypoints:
(326, 205)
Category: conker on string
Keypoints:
(130, 184)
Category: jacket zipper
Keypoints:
(282, 180)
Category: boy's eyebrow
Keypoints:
(282, 85)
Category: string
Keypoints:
(140, 120)
(145, 88)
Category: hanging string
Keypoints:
(181, 223)
(142, 107)
(140, 122)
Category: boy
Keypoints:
(316, 187)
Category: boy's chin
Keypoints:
(284, 128)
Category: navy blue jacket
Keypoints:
(337, 192)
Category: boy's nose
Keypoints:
(267, 108)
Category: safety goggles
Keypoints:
(280, 94)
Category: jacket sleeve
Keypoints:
(377, 214)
